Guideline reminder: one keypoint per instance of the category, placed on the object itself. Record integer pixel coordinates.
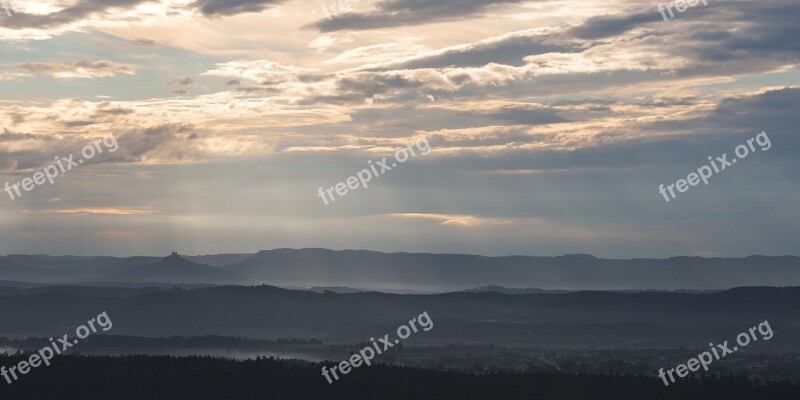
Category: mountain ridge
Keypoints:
(424, 272)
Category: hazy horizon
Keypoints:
(389, 252)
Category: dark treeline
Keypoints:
(194, 378)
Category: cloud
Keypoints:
(262, 72)
(76, 12)
(163, 144)
(461, 220)
(393, 13)
(144, 42)
(233, 7)
(95, 211)
(69, 69)
(613, 25)
(169, 143)
(8, 136)
(508, 49)
(185, 84)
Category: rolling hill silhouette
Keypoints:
(580, 318)
(418, 272)
(173, 269)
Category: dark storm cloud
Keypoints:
(393, 13)
(360, 87)
(613, 25)
(758, 36)
(86, 8)
(105, 109)
(762, 30)
(722, 31)
(170, 142)
(777, 112)
(508, 50)
(79, 11)
(75, 124)
(232, 7)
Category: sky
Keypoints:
(538, 127)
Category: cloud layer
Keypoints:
(552, 125)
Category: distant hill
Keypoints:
(505, 290)
(412, 272)
(64, 269)
(447, 272)
(218, 260)
(173, 269)
(590, 318)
